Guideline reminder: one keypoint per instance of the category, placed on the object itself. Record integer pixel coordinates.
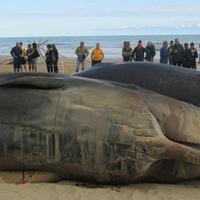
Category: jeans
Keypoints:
(78, 63)
(17, 64)
(94, 62)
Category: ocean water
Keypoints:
(112, 45)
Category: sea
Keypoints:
(112, 45)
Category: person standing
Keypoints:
(29, 52)
(170, 49)
(48, 56)
(177, 53)
(16, 54)
(127, 52)
(194, 55)
(35, 54)
(187, 56)
(55, 58)
(82, 53)
(23, 57)
(151, 52)
(97, 55)
(139, 52)
(199, 55)
(164, 53)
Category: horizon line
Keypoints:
(109, 35)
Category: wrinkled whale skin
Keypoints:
(89, 130)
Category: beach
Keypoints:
(71, 190)
(67, 190)
(79, 191)
(65, 65)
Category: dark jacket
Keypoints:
(177, 53)
(187, 58)
(35, 53)
(170, 50)
(48, 56)
(138, 53)
(127, 54)
(194, 55)
(55, 55)
(29, 53)
(151, 53)
(164, 55)
(16, 53)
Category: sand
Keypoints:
(70, 191)
(66, 65)
(82, 191)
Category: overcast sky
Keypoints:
(98, 17)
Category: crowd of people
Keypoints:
(22, 56)
(82, 53)
(173, 53)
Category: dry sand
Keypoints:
(66, 65)
(71, 190)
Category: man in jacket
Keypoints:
(177, 53)
(170, 49)
(194, 55)
(127, 52)
(139, 52)
(16, 54)
(82, 53)
(151, 52)
(97, 55)
(187, 56)
(164, 53)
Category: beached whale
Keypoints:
(88, 130)
(177, 82)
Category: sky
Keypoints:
(98, 17)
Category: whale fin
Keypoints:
(32, 80)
